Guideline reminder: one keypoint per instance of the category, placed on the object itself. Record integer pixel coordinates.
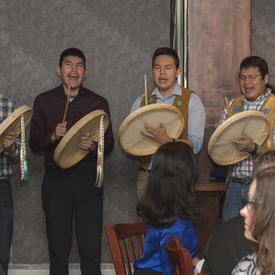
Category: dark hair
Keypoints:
(72, 52)
(169, 193)
(263, 220)
(166, 51)
(256, 62)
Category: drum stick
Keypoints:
(145, 89)
(67, 105)
(226, 103)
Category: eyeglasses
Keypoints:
(252, 78)
(251, 204)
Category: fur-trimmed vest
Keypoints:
(268, 108)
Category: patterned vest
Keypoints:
(182, 103)
(268, 108)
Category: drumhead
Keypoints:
(249, 123)
(137, 144)
(68, 152)
(13, 123)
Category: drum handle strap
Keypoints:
(100, 154)
(24, 175)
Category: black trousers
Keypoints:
(68, 194)
(6, 224)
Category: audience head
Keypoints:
(169, 193)
(259, 213)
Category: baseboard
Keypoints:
(106, 269)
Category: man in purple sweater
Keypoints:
(70, 194)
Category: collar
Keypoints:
(61, 91)
(177, 90)
(266, 93)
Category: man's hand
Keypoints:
(9, 140)
(158, 134)
(86, 143)
(60, 131)
(244, 144)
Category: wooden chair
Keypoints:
(126, 245)
(180, 257)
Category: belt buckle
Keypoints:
(242, 180)
(247, 180)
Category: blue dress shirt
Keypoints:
(196, 114)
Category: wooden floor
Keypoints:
(210, 198)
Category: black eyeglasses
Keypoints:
(252, 78)
(250, 204)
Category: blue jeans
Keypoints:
(6, 224)
(235, 199)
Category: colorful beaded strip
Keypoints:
(100, 154)
(24, 176)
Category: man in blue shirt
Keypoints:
(165, 69)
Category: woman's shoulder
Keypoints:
(180, 225)
(184, 223)
(247, 266)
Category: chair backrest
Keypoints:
(126, 245)
(179, 256)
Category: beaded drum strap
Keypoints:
(100, 154)
(23, 156)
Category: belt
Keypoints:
(241, 180)
(145, 170)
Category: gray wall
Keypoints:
(118, 38)
(263, 33)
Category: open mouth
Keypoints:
(73, 77)
(249, 89)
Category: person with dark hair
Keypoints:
(167, 207)
(256, 95)
(72, 52)
(259, 220)
(10, 148)
(70, 196)
(165, 67)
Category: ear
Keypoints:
(58, 71)
(266, 79)
(178, 72)
(85, 73)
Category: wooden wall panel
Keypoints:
(219, 38)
